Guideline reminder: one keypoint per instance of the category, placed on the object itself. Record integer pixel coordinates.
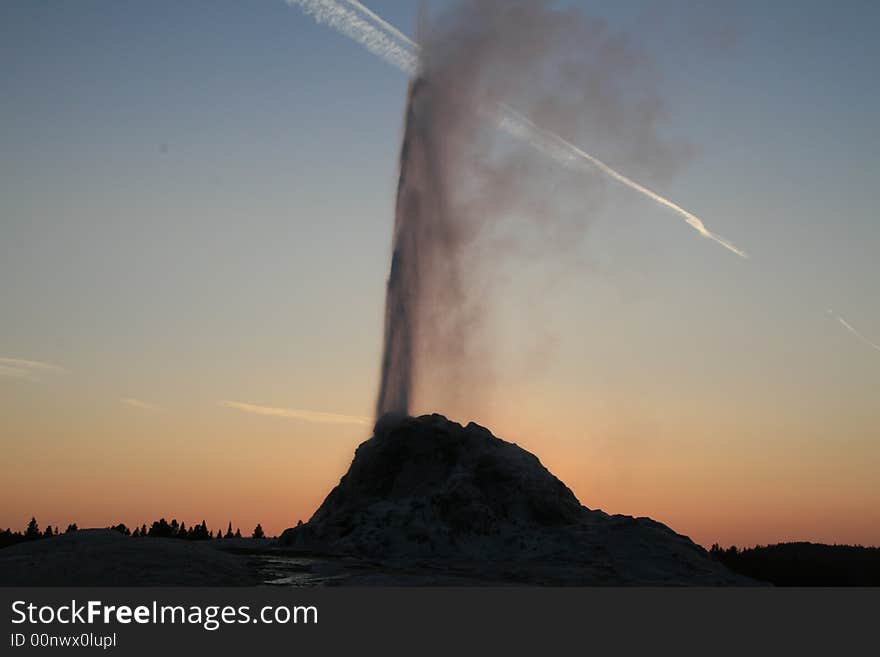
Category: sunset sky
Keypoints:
(196, 202)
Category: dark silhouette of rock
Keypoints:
(430, 492)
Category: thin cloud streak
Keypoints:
(26, 370)
(849, 327)
(317, 417)
(16, 373)
(140, 404)
(30, 364)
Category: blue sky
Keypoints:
(196, 203)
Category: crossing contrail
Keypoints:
(381, 38)
(570, 155)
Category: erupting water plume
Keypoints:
(468, 195)
(414, 203)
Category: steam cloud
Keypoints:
(468, 196)
(476, 63)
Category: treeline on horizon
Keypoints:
(158, 529)
(804, 564)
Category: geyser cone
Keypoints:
(428, 493)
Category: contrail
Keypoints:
(354, 20)
(570, 155)
(363, 26)
(378, 36)
(386, 25)
(852, 330)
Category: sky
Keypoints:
(196, 202)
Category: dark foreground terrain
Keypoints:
(101, 557)
(805, 564)
(104, 557)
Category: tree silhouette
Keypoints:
(8, 537)
(258, 532)
(161, 529)
(48, 533)
(33, 529)
(229, 533)
(71, 528)
(237, 533)
(199, 532)
(805, 564)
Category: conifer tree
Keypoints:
(33, 529)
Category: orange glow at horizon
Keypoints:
(222, 467)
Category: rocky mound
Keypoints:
(426, 491)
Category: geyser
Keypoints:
(417, 250)
(471, 197)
